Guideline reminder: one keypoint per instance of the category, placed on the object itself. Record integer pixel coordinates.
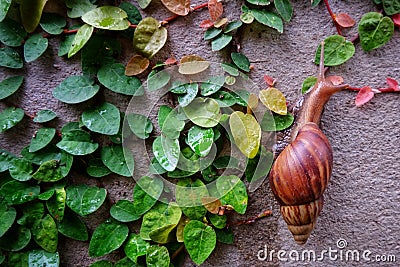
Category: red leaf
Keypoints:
(269, 80)
(335, 80)
(364, 95)
(215, 9)
(206, 24)
(392, 84)
(396, 19)
(344, 20)
(170, 61)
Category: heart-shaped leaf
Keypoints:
(10, 117)
(21, 169)
(124, 211)
(375, 30)
(48, 171)
(149, 37)
(233, 192)
(77, 142)
(10, 58)
(204, 112)
(45, 233)
(104, 119)
(84, 199)
(42, 138)
(117, 161)
(15, 192)
(200, 140)
(34, 47)
(75, 89)
(273, 99)
(391, 7)
(107, 17)
(10, 85)
(337, 50)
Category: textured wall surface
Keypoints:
(363, 197)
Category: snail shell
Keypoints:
(301, 172)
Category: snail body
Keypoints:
(301, 172)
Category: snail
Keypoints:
(301, 172)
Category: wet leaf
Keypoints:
(66, 161)
(337, 50)
(212, 85)
(233, 192)
(132, 11)
(45, 115)
(246, 132)
(15, 239)
(117, 160)
(211, 33)
(79, 7)
(77, 142)
(200, 140)
(273, 99)
(10, 58)
(200, 240)
(375, 30)
(220, 42)
(4, 6)
(124, 262)
(204, 112)
(10, 117)
(7, 218)
(107, 17)
(192, 64)
(268, 18)
(84, 199)
(364, 95)
(45, 234)
(76, 89)
(136, 65)
(241, 61)
(124, 211)
(179, 7)
(391, 7)
(186, 99)
(71, 226)
(308, 83)
(10, 85)
(140, 125)
(47, 194)
(20, 169)
(157, 256)
(215, 9)
(97, 169)
(31, 11)
(143, 3)
(34, 47)
(166, 151)
(50, 152)
(31, 212)
(56, 204)
(48, 171)
(65, 45)
(104, 119)
(188, 195)
(169, 123)
(12, 33)
(42, 138)
(107, 237)
(52, 23)
(149, 37)
(113, 77)
(81, 38)
(344, 20)
(276, 122)
(284, 8)
(135, 247)
(157, 80)
(5, 160)
(218, 221)
(38, 258)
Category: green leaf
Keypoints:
(233, 192)
(169, 123)
(212, 85)
(149, 37)
(31, 212)
(157, 256)
(34, 47)
(199, 240)
(56, 204)
(113, 77)
(47, 194)
(284, 8)
(166, 151)
(117, 161)
(31, 11)
(224, 99)
(146, 193)
(81, 38)
(259, 167)
(337, 50)
(107, 17)
(233, 25)
(48, 171)
(204, 112)
(79, 7)
(200, 140)
(314, 3)
(44, 116)
(104, 119)
(308, 83)
(10, 58)
(140, 125)
(211, 33)
(124, 262)
(227, 162)
(158, 80)
(132, 11)
(220, 42)
(375, 30)
(77, 142)
(38, 258)
(52, 23)
(143, 3)
(230, 69)
(45, 234)
(107, 237)
(124, 211)
(101, 263)
(135, 247)
(159, 216)
(12, 33)
(71, 226)
(21, 169)
(225, 236)
(188, 195)
(18, 259)
(84, 199)
(246, 132)
(259, 2)
(241, 61)
(50, 152)
(247, 17)
(268, 18)
(10, 117)
(218, 221)
(97, 169)
(5, 160)
(65, 45)
(15, 239)
(4, 6)
(186, 99)
(7, 218)
(276, 122)
(41, 138)
(76, 89)
(391, 7)
(15, 192)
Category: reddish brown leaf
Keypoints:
(392, 84)
(269, 80)
(396, 19)
(206, 24)
(170, 61)
(335, 80)
(364, 95)
(215, 9)
(212, 204)
(179, 7)
(136, 65)
(344, 20)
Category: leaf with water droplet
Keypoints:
(268, 18)
(44, 115)
(10, 117)
(15, 192)
(233, 192)
(135, 247)
(104, 119)
(188, 195)
(20, 169)
(375, 30)
(157, 256)
(108, 18)
(117, 160)
(204, 112)
(42, 138)
(84, 199)
(124, 211)
(166, 151)
(45, 233)
(77, 142)
(81, 38)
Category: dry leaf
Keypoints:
(344, 20)
(215, 9)
(212, 204)
(221, 22)
(179, 7)
(269, 80)
(192, 64)
(136, 65)
(206, 24)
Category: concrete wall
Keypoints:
(362, 200)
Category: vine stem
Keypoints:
(333, 16)
(252, 220)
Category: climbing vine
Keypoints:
(204, 149)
